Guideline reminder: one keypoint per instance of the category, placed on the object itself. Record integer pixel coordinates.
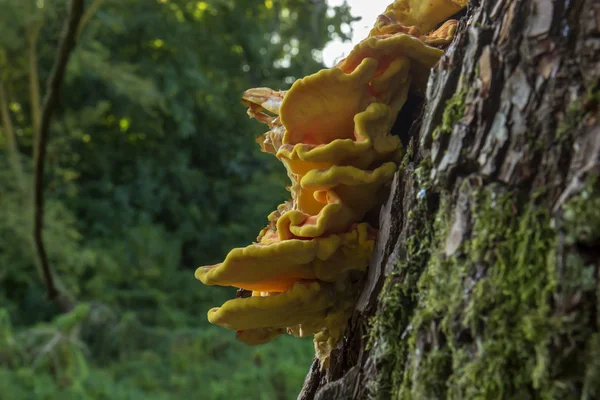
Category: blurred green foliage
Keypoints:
(152, 170)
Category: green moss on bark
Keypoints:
(582, 215)
(504, 316)
(398, 297)
(491, 299)
(579, 286)
(453, 112)
(578, 111)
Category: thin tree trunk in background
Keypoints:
(11, 140)
(484, 282)
(89, 13)
(65, 48)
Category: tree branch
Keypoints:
(89, 13)
(65, 48)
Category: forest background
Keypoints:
(151, 171)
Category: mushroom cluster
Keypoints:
(332, 132)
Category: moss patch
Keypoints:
(398, 297)
(503, 317)
(578, 111)
(582, 215)
(453, 112)
(492, 299)
(578, 293)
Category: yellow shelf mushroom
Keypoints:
(371, 142)
(304, 302)
(321, 107)
(423, 15)
(341, 190)
(277, 266)
(333, 218)
(332, 132)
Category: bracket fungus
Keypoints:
(332, 132)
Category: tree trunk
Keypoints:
(484, 281)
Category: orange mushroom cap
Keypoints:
(304, 302)
(335, 216)
(277, 266)
(424, 15)
(254, 337)
(372, 141)
(320, 108)
(353, 188)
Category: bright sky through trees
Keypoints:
(368, 10)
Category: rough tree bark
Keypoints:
(484, 282)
